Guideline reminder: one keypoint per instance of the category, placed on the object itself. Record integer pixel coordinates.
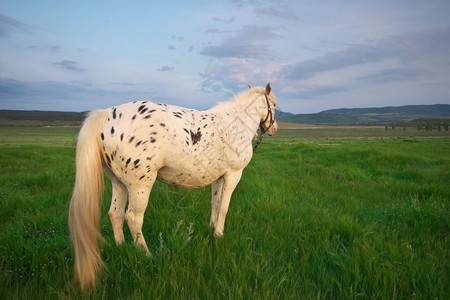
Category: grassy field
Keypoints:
(312, 218)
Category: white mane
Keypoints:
(239, 99)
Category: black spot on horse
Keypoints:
(144, 110)
(162, 124)
(120, 116)
(128, 161)
(147, 117)
(196, 137)
(141, 108)
(150, 111)
(107, 158)
(136, 162)
(102, 136)
(142, 177)
(134, 117)
(138, 143)
(152, 140)
(121, 137)
(112, 130)
(131, 139)
(204, 126)
(114, 113)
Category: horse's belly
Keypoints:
(192, 177)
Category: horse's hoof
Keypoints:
(218, 235)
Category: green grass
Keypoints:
(322, 218)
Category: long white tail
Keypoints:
(84, 213)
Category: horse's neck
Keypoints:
(244, 113)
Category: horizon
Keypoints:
(83, 56)
(282, 111)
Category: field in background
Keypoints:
(319, 213)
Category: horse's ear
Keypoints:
(268, 89)
(249, 86)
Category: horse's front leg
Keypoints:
(216, 195)
(230, 181)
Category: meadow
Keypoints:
(317, 215)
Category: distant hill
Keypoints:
(407, 110)
(342, 116)
(281, 114)
(40, 118)
(375, 115)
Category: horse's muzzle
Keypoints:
(273, 129)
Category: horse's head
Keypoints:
(268, 122)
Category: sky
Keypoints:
(317, 55)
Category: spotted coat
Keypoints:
(139, 142)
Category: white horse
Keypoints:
(137, 143)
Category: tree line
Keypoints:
(426, 126)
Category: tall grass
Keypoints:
(311, 218)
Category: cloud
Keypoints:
(165, 69)
(122, 83)
(47, 48)
(69, 65)
(217, 30)
(311, 91)
(275, 8)
(51, 95)
(427, 44)
(178, 38)
(171, 47)
(11, 89)
(223, 20)
(248, 42)
(392, 75)
(351, 56)
(278, 9)
(228, 75)
(8, 25)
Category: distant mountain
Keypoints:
(436, 110)
(342, 116)
(374, 115)
(40, 118)
(282, 114)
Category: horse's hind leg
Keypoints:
(117, 210)
(138, 200)
(216, 195)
